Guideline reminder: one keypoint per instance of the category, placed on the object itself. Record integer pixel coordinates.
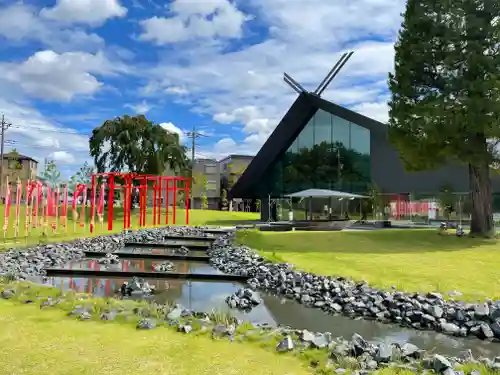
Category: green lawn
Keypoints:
(412, 260)
(47, 342)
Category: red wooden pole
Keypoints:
(167, 193)
(175, 200)
(155, 192)
(145, 197)
(111, 196)
(160, 196)
(187, 187)
(125, 205)
(92, 204)
(128, 188)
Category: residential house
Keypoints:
(16, 166)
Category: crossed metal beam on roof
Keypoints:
(325, 82)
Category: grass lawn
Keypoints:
(196, 217)
(47, 342)
(412, 260)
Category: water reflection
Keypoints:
(205, 296)
(160, 251)
(143, 265)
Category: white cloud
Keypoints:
(52, 76)
(62, 157)
(176, 90)
(21, 23)
(168, 126)
(245, 85)
(92, 12)
(140, 108)
(195, 19)
(36, 136)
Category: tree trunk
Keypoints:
(480, 186)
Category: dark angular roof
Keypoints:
(297, 117)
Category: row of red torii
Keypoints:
(42, 201)
(161, 185)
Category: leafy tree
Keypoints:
(445, 101)
(82, 176)
(224, 200)
(51, 174)
(204, 201)
(447, 200)
(137, 145)
(376, 200)
(257, 205)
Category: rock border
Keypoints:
(339, 295)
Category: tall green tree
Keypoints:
(135, 144)
(51, 174)
(82, 176)
(445, 103)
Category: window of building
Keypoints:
(211, 169)
(329, 153)
(212, 185)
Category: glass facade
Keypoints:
(329, 153)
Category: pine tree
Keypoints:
(445, 103)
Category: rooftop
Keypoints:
(19, 156)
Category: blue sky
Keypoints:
(68, 65)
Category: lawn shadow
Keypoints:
(369, 242)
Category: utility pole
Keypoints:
(4, 126)
(193, 135)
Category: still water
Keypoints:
(143, 265)
(206, 296)
(160, 251)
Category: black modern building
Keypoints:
(319, 144)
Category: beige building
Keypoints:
(17, 166)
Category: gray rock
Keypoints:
(85, 315)
(185, 328)
(285, 345)
(384, 353)
(108, 315)
(146, 324)
(7, 294)
(175, 313)
(440, 363)
(484, 332)
(450, 328)
(481, 311)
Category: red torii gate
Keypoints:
(160, 184)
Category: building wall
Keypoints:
(231, 169)
(390, 175)
(22, 169)
(208, 170)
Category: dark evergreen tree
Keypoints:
(445, 103)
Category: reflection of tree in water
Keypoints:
(167, 289)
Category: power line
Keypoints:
(193, 135)
(4, 126)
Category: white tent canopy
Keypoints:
(323, 193)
